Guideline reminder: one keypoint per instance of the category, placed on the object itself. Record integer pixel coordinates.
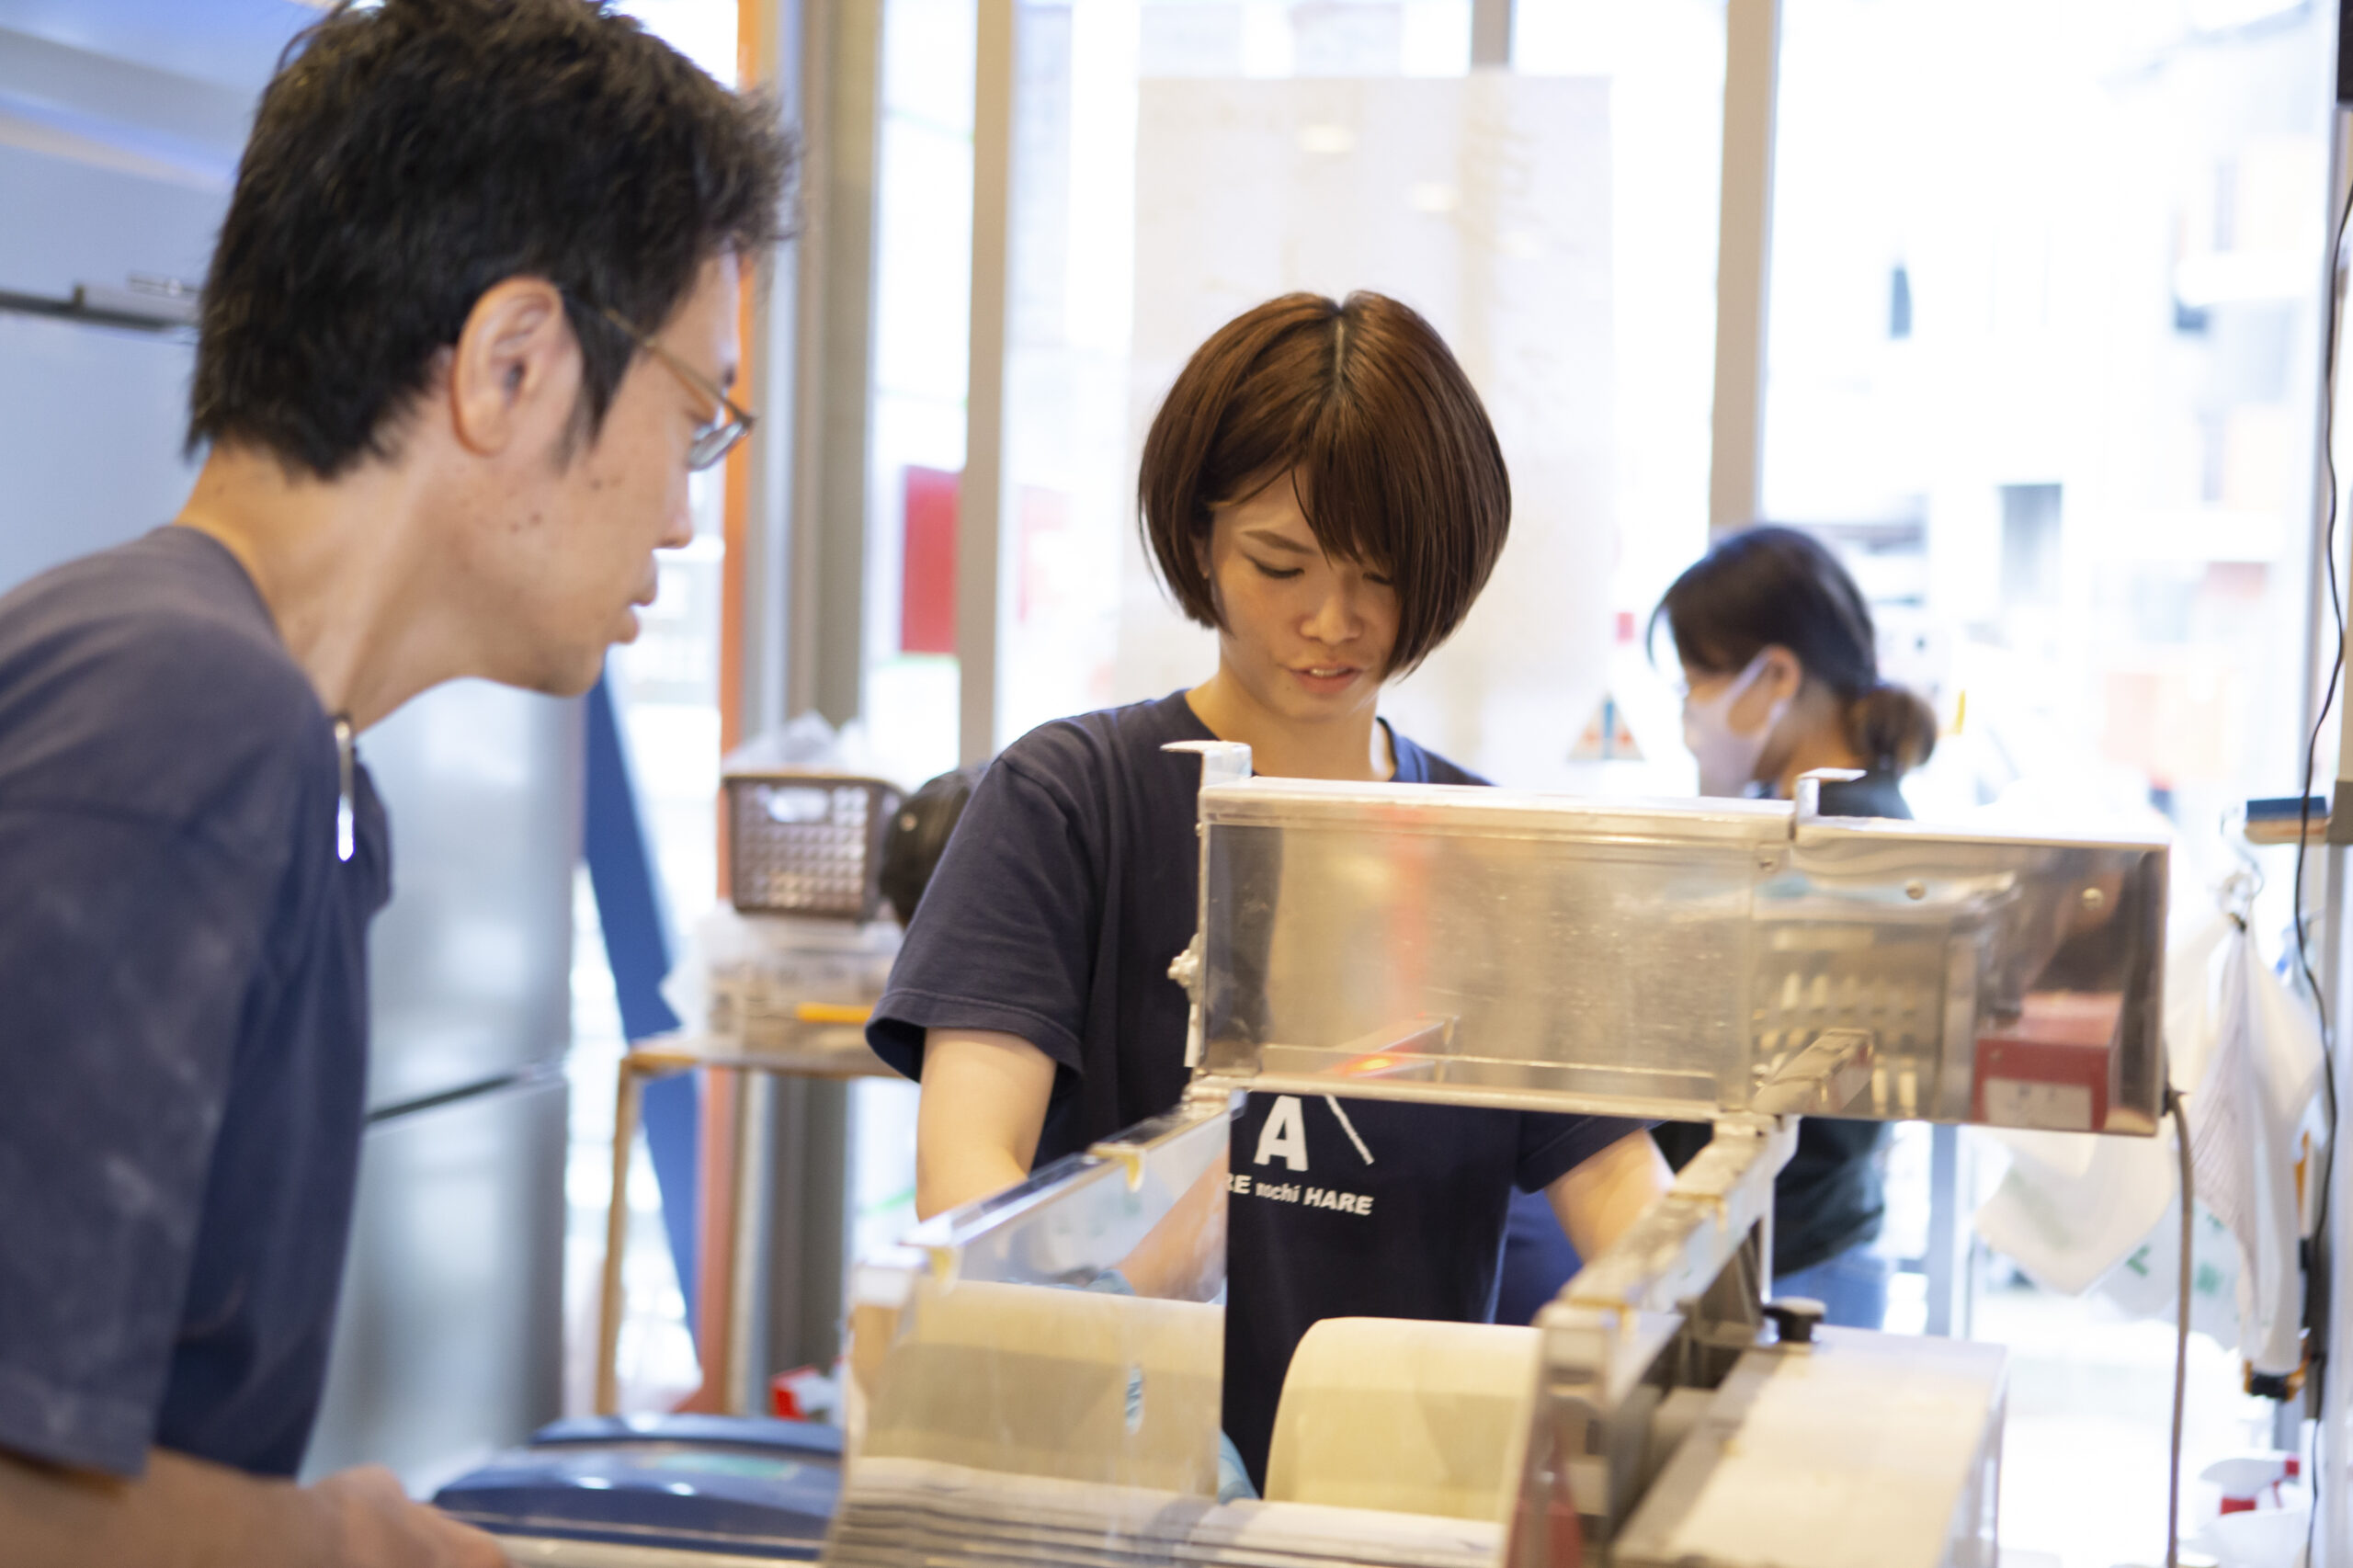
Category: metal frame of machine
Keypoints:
(1390, 941)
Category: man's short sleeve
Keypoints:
(1551, 1144)
(1004, 938)
(126, 958)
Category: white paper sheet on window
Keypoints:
(1484, 202)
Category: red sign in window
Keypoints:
(928, 570)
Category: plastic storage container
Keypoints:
(807, 843)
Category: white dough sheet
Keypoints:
(1024, 1423)
(1406, 1416)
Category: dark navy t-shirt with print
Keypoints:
(1068, 886)
(183, 1015)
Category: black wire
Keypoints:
(2318, 1370)
(2336, 662)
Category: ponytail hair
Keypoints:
(1893, 728)
(1769, 586)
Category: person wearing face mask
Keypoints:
(1321, 487)
(1780, 672)
(1780, 676)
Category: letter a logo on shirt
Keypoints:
(1285, 1133)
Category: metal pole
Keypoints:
(1491, 32)
(2333, 1437)
(747, 1317)
(768, 34)
(840, 77)
(980, 498)
(2333, 1467)
(1947, 1259)
(2319, 631)
(2333, 1540)
(1745, 243)
(611, 1300)
(809, 1229)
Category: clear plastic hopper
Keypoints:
(1672, 958)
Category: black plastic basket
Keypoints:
(808, 843)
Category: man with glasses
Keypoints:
(717, 436)
(469, 327)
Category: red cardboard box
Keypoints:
(2054, 1067)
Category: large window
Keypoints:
(2043, 365)
(2042, 355)
(1173, 165)
(2043, 350)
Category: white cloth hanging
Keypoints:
(2248, 1119)
(2076, 1210)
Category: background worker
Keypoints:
(1780, 668)
(1322, 487)
(464, 334)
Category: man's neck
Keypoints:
(337, 563)
(1351, 745)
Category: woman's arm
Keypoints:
(984, 1104)
(1598, 1201)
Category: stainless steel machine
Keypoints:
(1744, 963)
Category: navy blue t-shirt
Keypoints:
(183, 1015)
(1068, 886)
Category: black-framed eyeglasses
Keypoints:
(717, 437)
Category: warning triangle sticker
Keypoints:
(1606, 737)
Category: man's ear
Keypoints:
(515, 372)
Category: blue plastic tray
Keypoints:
(710, 1483)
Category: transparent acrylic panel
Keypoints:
(1675, 958)
(1038, 1378)
(1388, 946)
(1047, 1357)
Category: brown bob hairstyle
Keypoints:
(1362, 403)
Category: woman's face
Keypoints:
(1731, 719)
(1773, 684)
(1309, 638)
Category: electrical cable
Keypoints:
(2337, 611)
(2181, 1331)
(2317, 1369)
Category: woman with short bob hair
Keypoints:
(1363, 407)
(1321, 486)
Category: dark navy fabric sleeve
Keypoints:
(1551, 1145)
(1004, 938)
(126, 954)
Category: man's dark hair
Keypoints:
(1362, 402)
(408, 157)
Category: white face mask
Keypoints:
(1727, 757)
